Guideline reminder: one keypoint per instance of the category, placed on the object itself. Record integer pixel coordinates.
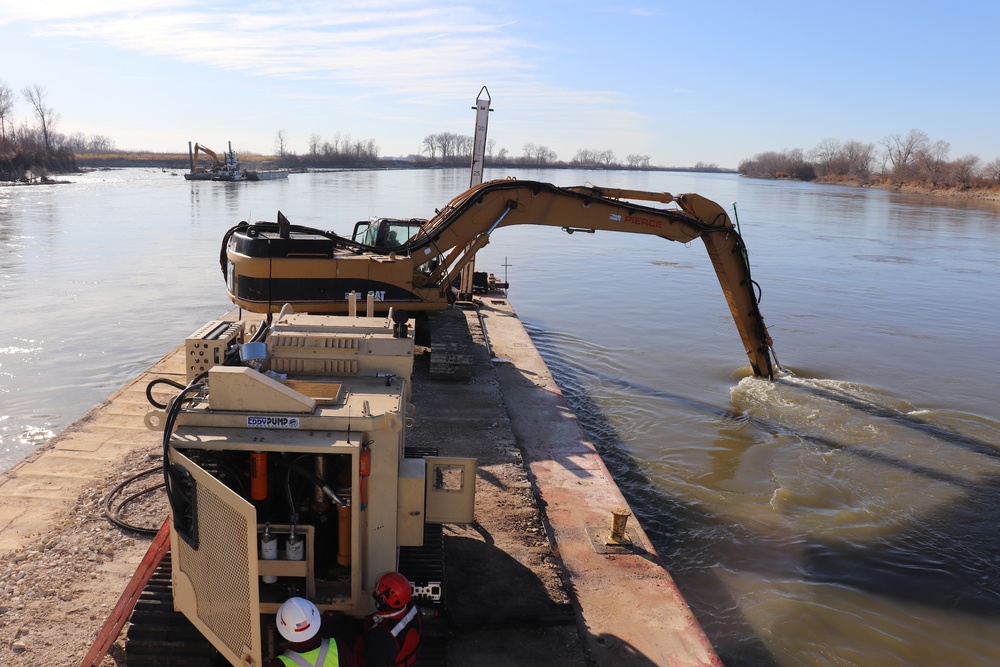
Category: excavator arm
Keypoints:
(269, 264)
(465, 224)
(198, 148)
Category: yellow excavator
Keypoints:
(216, 160)
(412, 265)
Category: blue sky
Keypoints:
(682, 82)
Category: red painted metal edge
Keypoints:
(120, 614)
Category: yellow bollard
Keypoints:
(619, 518)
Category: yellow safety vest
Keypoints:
(327, 651)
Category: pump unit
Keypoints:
(287, 476)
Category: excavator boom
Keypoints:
(198, 148)
(269, 264)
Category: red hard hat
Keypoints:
(392, 592)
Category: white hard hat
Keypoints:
(298, 620)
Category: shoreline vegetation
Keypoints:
(12, 171)
(23, 168)
(911, 164)
(915, 176)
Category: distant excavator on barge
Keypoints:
(225, 167)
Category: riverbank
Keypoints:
(984, 194)
(179, 162)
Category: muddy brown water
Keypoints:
(844, 514)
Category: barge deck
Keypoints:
(532, 582)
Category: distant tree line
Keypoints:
(450, 148)
(896, 159)
(33, 147)
(341, 150)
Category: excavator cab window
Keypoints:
(366, 232)
(384, 233)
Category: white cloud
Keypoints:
(323, 42)
(12, 11)
(388, 56)
(385, 48)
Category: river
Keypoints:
(845, 514)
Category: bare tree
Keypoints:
(530, 151)
(859, 157)
(636, 160)
(372, 150)
(444, 140)
(6, 106)
(828, 156)
(789, 163)
(100, 143)
(899, 150)
(465, 145)
(991, 170)
(315, 142)
(451, 145)
(545, 155)
(585, 157)
(431, 145)
(964, 169)
(35, 95)
(932, 158)
(590, 158)
(76, 142)
(281, 143)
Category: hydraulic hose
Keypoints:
(168, 429)
(312, 477)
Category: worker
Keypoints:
(299, 622)
(391, 636)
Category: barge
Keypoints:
(225, 168)
(551, 594)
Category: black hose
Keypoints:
(168, 428)
(311, 476)
(272, 227)
(114, 514)
(261, 332)
(225, 242)
(149, 391)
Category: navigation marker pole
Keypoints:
(479, 140)
(478, 157)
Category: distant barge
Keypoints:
(225, 168)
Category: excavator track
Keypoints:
(158, 636)
(452, 348)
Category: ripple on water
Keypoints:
(891, 259)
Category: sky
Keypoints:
(680, 82)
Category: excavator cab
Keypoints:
(386, 233)
(390, 235)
